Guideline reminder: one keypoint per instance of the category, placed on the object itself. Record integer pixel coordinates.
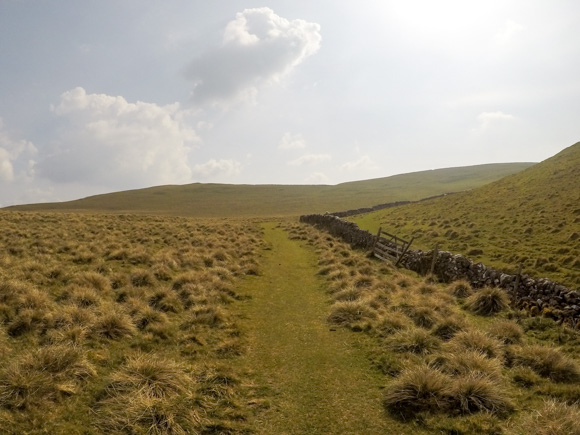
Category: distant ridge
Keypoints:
(227, 200)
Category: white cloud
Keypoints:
(310, 159)
(318, 178)
(488, 118)
(217, 168)
(258, 47)
(508, 32)
(16, 157)
(6, 170)
(111, 142)
(362, 163)
(291, 141)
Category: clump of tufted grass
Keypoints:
(150, 375)
(487, 301)
(142, 278)
(165, 300)
(446, 328)
(415, 340)
(149, 415)
(113, 324)
(210, 315)
(476, 393)
(417, 389)
(390, 323)
(93, 280)
(84, 297)
(44, 375)
(469, 362)
(552, 418)
(348, 313)
(422, 315)
(461, 289)
(507, 331)
(150, 394)
(348, 294)
(547, 362)
(476, 341)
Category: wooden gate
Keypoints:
(389, 247)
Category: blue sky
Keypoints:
(101, 96)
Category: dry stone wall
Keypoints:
(347, 213)
(539, 296)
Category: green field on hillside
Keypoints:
(227, 200)
(532, 217)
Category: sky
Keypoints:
(99, 96)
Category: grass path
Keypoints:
(320, 379)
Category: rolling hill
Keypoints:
(532, 217)
(227, 200)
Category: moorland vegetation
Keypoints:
(455, 359)
(121, 324)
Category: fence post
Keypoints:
(377, 239)
(405, 249)
(518, 277)
(434, 259)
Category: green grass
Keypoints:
(226, 200)
(318, 376)
(532, 217)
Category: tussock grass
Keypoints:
(487, 301)
(413, 340)
(475, 393)
(548, 362)
(348, 294)
(417, 389)
(507, 332)
(476, 341)
(92, 280)
(142, 278)
(446, 328)
(212, 316)
(350, 312)
(390, 323)
(552, 418)
(165, 300)
(151, 376)
(461, 289)
(422, 316)
(44, 375)
(470, 363)
(113, 325)
(84, 297)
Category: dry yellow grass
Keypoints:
(110, 323)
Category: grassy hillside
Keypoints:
(221, 200)
(532, 217)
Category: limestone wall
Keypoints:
(540, 296)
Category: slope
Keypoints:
(532, 218)
(223, 200)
